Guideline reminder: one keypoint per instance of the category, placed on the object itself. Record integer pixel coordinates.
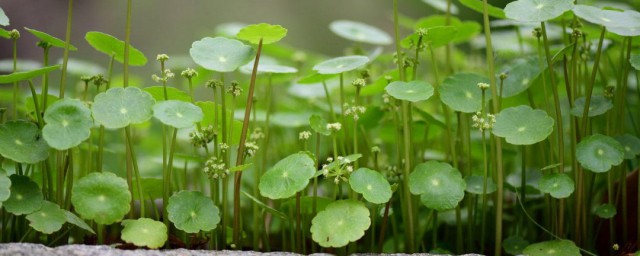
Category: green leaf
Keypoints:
(461, 92)
(289, 119)
(144, 232)
(606, 211)
(553, 247)
(101, 197)
(439, 185)
(341, 64)
(157, 92)
(341, 222)
(598, 153)
(21, 142)
(287, 177)
(373, 186)
(608, 18)
(53, 41)
(635, 60)
(69, 123)
(192, 212)
(152, 187)
(31, 108)
(26, 75)
(220, 54)
(82, 68)
(413, 91)
(475, 185)
(112, 46)
(558, 185)
(360, 32)
(48, 219)
(266, 32)
(5, 188)
(3, 32)
(520, 75)
(177, 114)
(120, 107)
(271, 67)
(630, 144)
(514, 245)
(523, 125)
(598, 106)
(537, 10)
(465, 30)
(319, 125)
(435, 37)
(479, 7)
(4, 20)
(266, 207)
(26, 197)
(319, 78)
(208, 109)
(77, 221)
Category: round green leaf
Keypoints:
(157, 92)
(537, 10)
(341, 222)
(598, 106)
(144, 232)
(341, 64)
(413, 91)
(598, 153)
(608, 18)
(461, 92)
(435, 37)
(69, 123)
(606, 211)
(439, 185)
(192, 212)
(520, 75)
(21, 142)
(373, 186)
(5, 188)
(220, 54)
(630, 144)
(475, 185)
(26, 197)
(26, 75)
(266, 32)
(523, 125)
(112, 46)
(177, 114)
(558, 185)
(51, 40)
(102, 197)
(288, 176)
(48, 219)
(514, 245)
(319, 125)
(554, 247)
(120, 107)
(360, 32)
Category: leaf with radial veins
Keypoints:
(598, 153)
(287, 177)
(558, 185)
(69, 123)
(414, 91)
(266, 32)
(630, 144)
(319, 125)
(373, 186)
(220, 54)
(553, 247)
(22, 142)
(101, 197)
(434, 37)
(523, 125)
(360, 32)
(439, 185)
(120, 107)
(465, 30)
(461, 92)
(341, 64)
(520, 75)
(608, 18)
(341, 222)
(48, 219)
(26, 75)
(144, 232)
(192, 212)
(606, 211)
(598, 106)
(51, 40)
(537, 10)
(26, 197)
(177, 114)
(112, 46)
(514, 245)
(475, 185)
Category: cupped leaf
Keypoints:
(514, 245)
(439, 185)
(26, 75)
(598, 106)
(266, 32)
(373, 186)
(413, 91)
(341, 222)
(144, 232)
(537, 10)
(112, 46)
(554, 247)
(461, 92)
(341, 64)
(606, 211)
(558, 185)
(360, 32)
(51, 40)
(319, 125)
(26, 197)
(21, 142)
(608, 18)
(630, 144)
(192, 212)
(77, 221)
(119, 107)
(69, 123)
(475, 185)
(48, 219)
(479, 7)
(520, 75)
(599, 152)
(287, 177)
(523, 125)
(101, 197)
(177, 114)
(220, 54)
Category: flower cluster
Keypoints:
(235, 89)
(392, 174)
(189, 73)
(360, 82)
(166, 74)
(215, 168)
(14, 34)
(99, 80)
(203, 137)
(483, 122)
(162, 57)
(256, 134)
(250, 148)
(304, 135)
(338, 169)
(223, 146)
(354, 111)
(334, 127)
(483, 86)
(213, 83)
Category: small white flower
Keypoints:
(329, 159)
(305, 135)
(162, 57)
(334, 126)
(483, 86)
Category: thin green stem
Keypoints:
(591, 82)
(409, 224)
(136, 171)
(65, 55)
(16, 88)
